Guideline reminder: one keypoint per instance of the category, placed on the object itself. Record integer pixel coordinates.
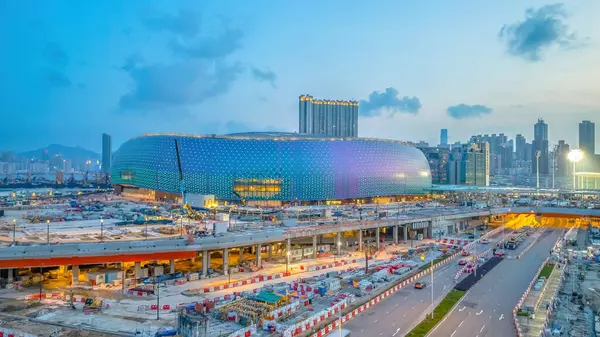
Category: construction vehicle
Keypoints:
(92, 305)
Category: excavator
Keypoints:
(185, 207)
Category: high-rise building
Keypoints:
(437, 157)
(540, 144)
(106, 152)
(327, 117)
(587, 138)
(497, 146)
(477, 167)
(561, 160)
(444, 137)
(521, 144)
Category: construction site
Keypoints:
(577, 304)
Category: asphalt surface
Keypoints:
(486, 310)
(400, 312)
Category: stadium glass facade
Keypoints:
(272, 166)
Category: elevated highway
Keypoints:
(23, 256)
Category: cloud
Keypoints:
(389, 100)
(541, 29)
(264, 76)
(462, 111)
(210, 47)
(132, 61)
(185, 23)
(161, 86)
(55, 78)
(55, 55)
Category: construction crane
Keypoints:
(185, 207)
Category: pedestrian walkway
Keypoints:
(540, 301)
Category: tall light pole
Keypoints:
(537, 169)
(101, 229)
(432, 306)
(575, 156)
(15, 232)
(287, 262)
(48, 231)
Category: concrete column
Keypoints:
(314, 244)
(360, 240)
(205, 262)
(241, 258)
(172, 267)
(11, 275)
(430, 230)
(395, 234)
(226, 261)
(75, 275)
(138, 270)
(405, 233)
(258, 255)
(377, 230)
(288, 250)
(338, 243)
(270, 251)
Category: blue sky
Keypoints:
(74, 69)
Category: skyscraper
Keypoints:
(106, 152)
(561, 160)
(540, 144)
(477, 168)
(327, 117)
(587, 138)
(520, 147)
(444, 137)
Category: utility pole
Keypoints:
(432, 306)
(15, 232)
(537, 168)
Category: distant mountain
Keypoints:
(66, 152)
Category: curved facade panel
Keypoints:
(265, 166)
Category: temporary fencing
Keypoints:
(244, 332)
(330, 327)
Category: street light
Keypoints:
(48, 231)
(287, 262)
(575, 156)
(14, 231)
(537, 169)
(101, 229)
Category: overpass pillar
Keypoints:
(205, 262)
(360, 239)
(226, 261)
(11, 275)
(395, 234)
(270, 251)
(377, 230)
(258, 255)
(241, 256)
(138, 270)
(338, 243)
(172, 267)
(75, 275)
(430, 230)
(405, 233)
(314, 246)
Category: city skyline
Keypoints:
(118, 73)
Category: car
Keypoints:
(462, 262)
(484, 241)
(500, 254)
(420, 285)
(465, 253)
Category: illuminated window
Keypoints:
(127, 175)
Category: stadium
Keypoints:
(275, 168)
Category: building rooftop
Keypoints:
(288, 136)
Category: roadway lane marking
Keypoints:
(481, 329)
(463, 308)
(395, 333)
(501, 317)
(387, 312)
(452, 335)
(461, 323)
(479, 313)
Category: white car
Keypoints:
(484, 241)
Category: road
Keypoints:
(486, 310)
(402, 311)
